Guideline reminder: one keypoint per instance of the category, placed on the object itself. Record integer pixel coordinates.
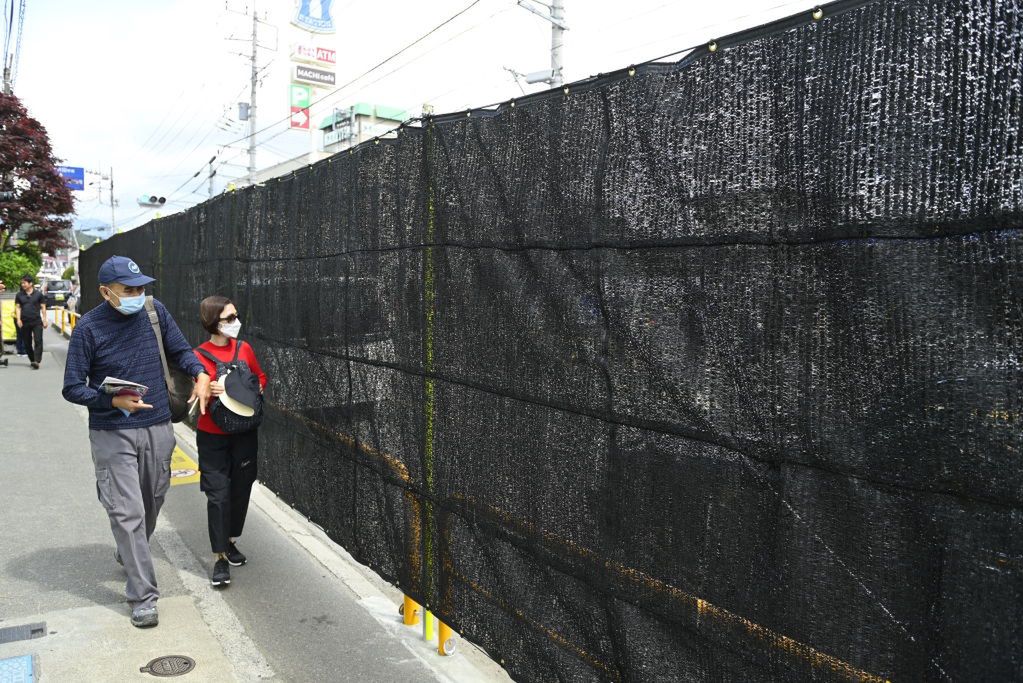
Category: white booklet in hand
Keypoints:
(122, 387)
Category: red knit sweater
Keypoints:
(225, 354)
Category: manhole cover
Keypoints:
(171, 665)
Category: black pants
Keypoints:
(228, 466)
(31, 335)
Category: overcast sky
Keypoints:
(151, 88)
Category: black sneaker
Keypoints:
(221, 574)
(234, 556)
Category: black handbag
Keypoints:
(179, 383)
(238, 379)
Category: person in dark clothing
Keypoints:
(132, 441)
(30, 317)
(227, 461)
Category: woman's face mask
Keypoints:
(231, 329)
(127, 305)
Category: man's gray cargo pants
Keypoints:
(132, 478)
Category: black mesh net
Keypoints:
(700, 371)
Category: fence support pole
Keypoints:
(445, 639)
(410, 611)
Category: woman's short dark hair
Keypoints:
(210, 310)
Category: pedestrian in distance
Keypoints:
(227, 435)
(30, 317)
(132, 441)
(20, 350)
(3, 361)
(17, 337)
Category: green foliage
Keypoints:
(12, 266)
(68, 274)
(33, 252)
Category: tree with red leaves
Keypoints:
(32, 194)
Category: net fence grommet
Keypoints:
(817, 14)
(712, 46)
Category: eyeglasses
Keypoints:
(230, 319)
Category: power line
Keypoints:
(164, 142)
(333, 92)
(702, 29)
(367, 72)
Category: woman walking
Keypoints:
(227, 458)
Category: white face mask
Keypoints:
(231, 329)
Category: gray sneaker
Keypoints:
(144, 617)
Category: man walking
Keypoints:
(30, 317)
(132, 439)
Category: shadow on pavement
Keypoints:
(82, 571)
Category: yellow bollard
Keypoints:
(427, 625)
(410, 611)
(445, 639)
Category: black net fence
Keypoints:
(695, 371)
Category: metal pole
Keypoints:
(112, 222)
(211, 178)
(252, 100)
(557, 40)
(7, 75)
(313, 130)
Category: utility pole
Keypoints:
(7, 75)
(252, 99)
(555, 15)
(212, 173)
(112, 223)
(557, 40)
(248, 112)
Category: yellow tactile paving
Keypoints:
(184, 470)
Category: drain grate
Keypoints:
(169, 665)
(21, 669)
(12, 634)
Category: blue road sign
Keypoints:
(73, 176)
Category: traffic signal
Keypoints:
(152, 200)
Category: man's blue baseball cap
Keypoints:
(122, 269)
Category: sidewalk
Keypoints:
(300, 610)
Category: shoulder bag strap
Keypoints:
(154, 320)
(209, 356)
